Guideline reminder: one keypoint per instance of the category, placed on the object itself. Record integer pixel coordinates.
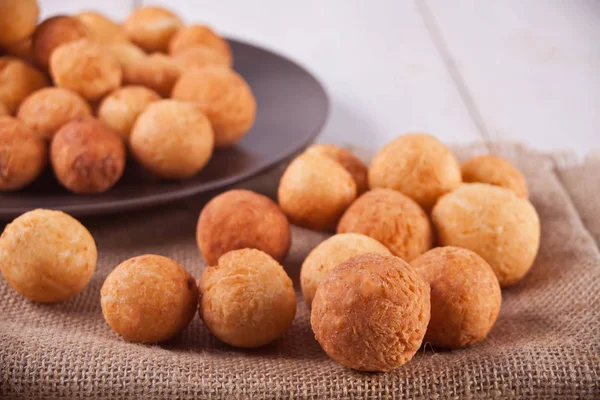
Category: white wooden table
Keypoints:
(464, 70)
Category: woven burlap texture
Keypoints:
(546, 343)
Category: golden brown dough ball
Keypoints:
(4, 110)
(329, 254)
(348, 160)
(87, 156)
(419, 166)
(194, 35)
(149, 299)
(17, 81)
(465, 296)
(493, 222)
(172, 139)
(23, 155)
(151, 28)
(247, 300)
(224, 96)
(22, 49)
(47, 255)
(158, 72)
(52, 33)
(314, 192)
(101, 29)
(85, 67)
(18, 19)
(200, 56)
(392, 219)
(120, 109)
(371, 312)
(495, 171)
(126, 53)
(47, 110)
(239, 219)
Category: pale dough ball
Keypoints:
(417, 165)
(239, 219)
(85, 67)
(158, 72)
(47, 255)
(348, 160)
(172, 139)
(23, 155)
(495, 171)
(17, 81)
(493, 222)
(371, 312)
(149, 299)
(465, 296)
(200, 56)
(18, 19)
(224, 96)
(126, 53)
(151, 28)
(329, 254)
(314, 191)
(47, 110)
(194, 35)
(121, 108)
(101, 28)
(52, 33)
(392, 219)
(4, 110)
(247, 300)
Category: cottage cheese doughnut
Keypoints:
(247, 300)
(17, 81)
(417, 165)
(495, 171)
(52, 33)
(126, 53)
(100, 28)
(18, 19)
(157, 72)
(371, 312)
(200, 56)
(149, 299)
(47, 255)
(494, 223)
(346, 159)
(151, 28)
(194, 35)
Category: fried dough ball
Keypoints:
(4, 110)
(47, 255)
(348, 160)
(52, 33)
(224, 96)
(85, 67)
(392, 219)
(87, 156)
(493, 222)
(200, 56)
(101, 29)
(371, 312)
(329, 254)
(314, 191)
(23, 155)
(158, 72)
(495, 171)
(121, 108)
(47, 110)
(247, 300)
(194, 35)
(152, 28)
(149, 299)
(22, 49)
(18, 19)
(172, 139)
(465, 296)
(17, 81)
(417, 165)
(126, 53)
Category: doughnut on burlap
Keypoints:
(546, 343)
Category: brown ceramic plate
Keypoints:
(292, 109)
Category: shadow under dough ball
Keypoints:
(18, 19)
(17, 81)
(495, 171)
(152, 28)
(52, 33)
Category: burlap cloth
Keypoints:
(546, 343)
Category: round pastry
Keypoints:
(239, 219)
(348, 160)
(172, 139)
(87, 156)
(48, 109)
(17, 81)
(22, 49)
(465, 296)
(200, 56)
(101, 29)
(371, 312)
(224, 96)
(149, 299)
(86, 68)
(18, 19)
(151, 28)
(493, 222)
(392, 219)
(158, 72)
(495, 171)
(23, 155)
(4, 110)
(52, 33)
(194, 35)
(329, 254)
(314, 191)
(126, 53)
(47, 255)
(419, 166)
(120, 109)
(247, 300)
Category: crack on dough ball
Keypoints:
(495, 171)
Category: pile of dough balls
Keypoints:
(87, 72)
